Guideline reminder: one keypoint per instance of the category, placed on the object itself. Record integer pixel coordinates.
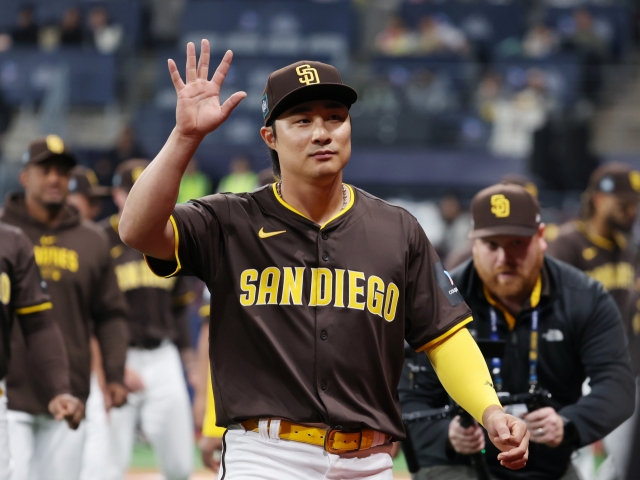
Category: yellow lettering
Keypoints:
(314, 288)
(339, 288)
(391, 302)
(355, 290)
(269, 281)
(5, 288)
(375, 295)
(292, 286)
(325, 287)
(247, 298)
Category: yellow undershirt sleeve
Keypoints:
(463, 373)
(209, 428)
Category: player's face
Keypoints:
(621, 213)
(82, 204)
(47, 183)
(313, 140)
(509, 265)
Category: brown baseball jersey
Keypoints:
(22, 296)
(74, 260)
(611, 262)
(157, 306)
(308, 322)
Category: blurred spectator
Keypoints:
(194, 183)
(106, 36)
(395, 39)
(518, 118)
(241, 179)
(489, 93)
(126, 147)
(427, 92)
(71, 32)
(437, 35)
(585, 38)
(540, 42)
(25, 33)
(456, 223)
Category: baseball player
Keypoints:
(596, 243)
(315, 285)
(159, 335)
(85, 192)
(22, 296)
(74, 260)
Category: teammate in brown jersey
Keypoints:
(597, 244)
(315, 285)
(159, 337)
(74, 260)
(22, 296)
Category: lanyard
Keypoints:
(496, 363)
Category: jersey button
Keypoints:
(325, 236)
(323, 385)
(325, 256)
(323, 335)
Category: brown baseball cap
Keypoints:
(504, 209)
(301, 82)
(46, 148)
(617, 179)
(128, 172)
(85, 182)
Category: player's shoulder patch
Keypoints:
(446, 284)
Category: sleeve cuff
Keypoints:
(167, 268)
(34, 308)
(446, 334)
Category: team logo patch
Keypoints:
(634, 179)
(589, 253)
(265, 106)
(446, 284)
(500, 206)
(308, 75)
(55, 144)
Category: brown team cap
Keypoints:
(617, 179)
(128, 172)
(301, 82)
(45, 148)
(504, 209)
(85, 182)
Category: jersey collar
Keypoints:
(534, 300)
(600, 241)
(352, 198)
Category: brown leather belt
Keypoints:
(332, 440)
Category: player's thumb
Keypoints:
(232, 102)
(502, 430)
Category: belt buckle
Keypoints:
(329, 439)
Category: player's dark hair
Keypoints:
(275, 160)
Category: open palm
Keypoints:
(198, 111)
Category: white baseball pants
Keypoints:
(44, 448)
(252, 455)
(163, 410)
(96, 444)
(5, 472)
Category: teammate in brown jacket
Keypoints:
(74, 260)
(158, 323)
(315, 285)
(597, 244)
(22, 296)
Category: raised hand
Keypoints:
(198, 111)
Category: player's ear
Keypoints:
(23, 177)
(269, 138)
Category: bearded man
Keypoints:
(558, 327)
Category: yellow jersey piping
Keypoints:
(341, 212)
(446, 334)
(34, 308)
(176, 241)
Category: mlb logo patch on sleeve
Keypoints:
(445, 282)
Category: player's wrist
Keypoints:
(489, 412)
(186, 139)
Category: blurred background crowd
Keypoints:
(453, 94)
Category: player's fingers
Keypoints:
(221, 72)
(517, 465)
(176, 79)
(231, 103)
(517, 452)
(191, 74)
(203, 62)
(502, 430)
